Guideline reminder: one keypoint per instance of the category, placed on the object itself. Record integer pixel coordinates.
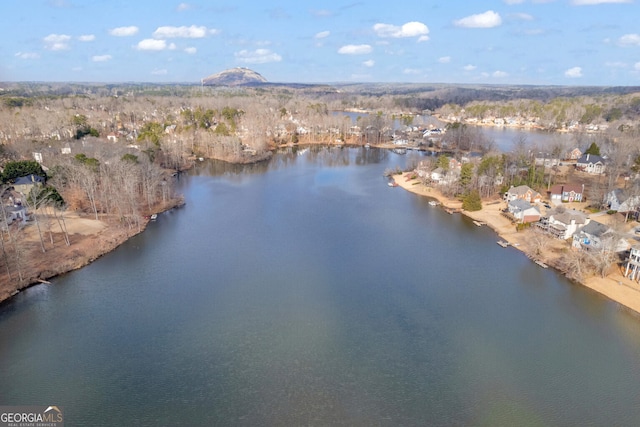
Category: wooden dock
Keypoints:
(541, 264)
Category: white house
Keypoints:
(437, 175)
(564, 223)
(591, 164)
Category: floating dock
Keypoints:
(541, 264)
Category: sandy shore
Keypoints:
(615, 286)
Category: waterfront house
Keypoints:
(621, 201)
(437, 175)
(598, 236)
(632, 269)
(523, 211)
(591, 164)
(566, 193)
(563, 223)
(523, 192)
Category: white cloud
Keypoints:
(191, 50)
(488, 19)
(514, 1)
(124, 31)
(159, 72)
(258, 56)
(322, 35)
(629, 40)
(589, 2)
(183, 6)
(101, 58)
(521, 16)
(355, 49)
(412, 71)
(469, 67)
(192, 32)
(444, 59)
(500, 74)
(574, 72)
(618, 64)
(151, 44)
(369, 63)
(636, 66)
(87, 38)
(27, 55)
(57, 42)
(322, 13)
(410, 29)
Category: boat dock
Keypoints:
(541, 264)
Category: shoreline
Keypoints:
(87, 247)
(614, 286)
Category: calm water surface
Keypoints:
(307, 292)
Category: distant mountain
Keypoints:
(234, 77)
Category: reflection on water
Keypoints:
(305, 291)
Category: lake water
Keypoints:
(505, 138)
(305, 291)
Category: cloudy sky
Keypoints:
(559, 42)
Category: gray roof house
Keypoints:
(621, 200)
(590, 163)
(523, 211)
(594, 236)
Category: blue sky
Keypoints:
(559, 42)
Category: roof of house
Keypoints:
(520, 204)
(521, 190)
(568, 215)
(566, 188)
(595, 228)
(29, 179)
(590, 158)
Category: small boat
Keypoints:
(153, 217)
(503, 243)
(478, 223)
(433, 203)
(392, 184)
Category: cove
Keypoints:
(305, 291)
